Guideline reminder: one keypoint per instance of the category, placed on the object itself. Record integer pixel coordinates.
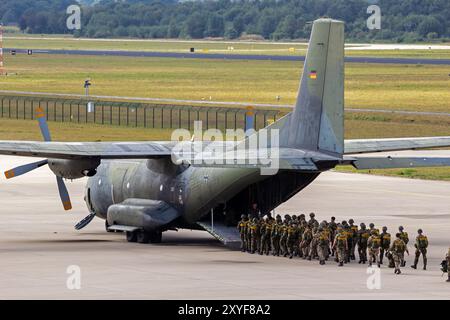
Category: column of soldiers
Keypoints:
(295, 236)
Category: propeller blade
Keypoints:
(64, 194)
(83, 223)
(24, 169)
(40, 115)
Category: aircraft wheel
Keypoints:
(143, 237)
(131, 236)
(156, 237)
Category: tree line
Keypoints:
(402, 21)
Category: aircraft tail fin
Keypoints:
(317, 122)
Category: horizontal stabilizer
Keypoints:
(396, 144)
(397, 162)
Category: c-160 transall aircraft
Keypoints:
(146, 188)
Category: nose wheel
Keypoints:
(141, 236)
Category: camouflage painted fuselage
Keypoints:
(192, 191)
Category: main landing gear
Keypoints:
(141, 236)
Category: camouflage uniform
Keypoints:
(323, 245)
(340, 244)
(292, 240)
(313, 223)
(397, 250)
(348, 233)
(300, 229)
(283, 240)
(313, 245)
(275, 237)
(333, 227)
(354, 233)
(421, 248)
(242, 227)
(385, 243)
(254, 226)
(266, 231)
(404, 236)
(374, 244)
(363, 237)
(305, 243)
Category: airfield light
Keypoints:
(87, 84)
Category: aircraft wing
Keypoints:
(396, 144)
(80, 150)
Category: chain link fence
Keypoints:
(134, 114)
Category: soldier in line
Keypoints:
(421, 248)
(292, 239)
(404, 236)
(242, 227)
(306, 242)
(266, 232)
(372, 228)
(301, 230)
(323, 245)
(397, 251)
(276, 235)
(374, 244)
(312, 221)
(313, 245)
(254, 212)
(283, 238)
(354, 233)
(254, 226)
(333, 227)
(340, 245)
(348, 234)
(385, 243)
(363, 236)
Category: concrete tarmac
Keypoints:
(38, 244)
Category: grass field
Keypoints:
(231, 47)
(399, 87)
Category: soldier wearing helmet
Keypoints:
(374, 244)
(404, 236)
(363, 237)
(421, 249)
(242, 228)
(354, 233)
(340, 245)
(385, 243)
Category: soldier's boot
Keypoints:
(341, 264)
(322, 262)
(425, 263)
(398, 271)
(448, 279)
(308, 258)
(416, 261)
(404, 263)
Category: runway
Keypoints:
(217, 56)
(38, 244)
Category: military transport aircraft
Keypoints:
(144, 188)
